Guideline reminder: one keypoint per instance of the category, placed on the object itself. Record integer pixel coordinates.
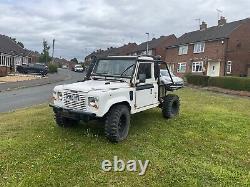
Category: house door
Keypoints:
(146, 93)
(213, 69)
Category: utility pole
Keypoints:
(53, 50)
(147, 41)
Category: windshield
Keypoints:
(115, 67)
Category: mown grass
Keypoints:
(207, 145)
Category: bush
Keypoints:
(52, 68)
(199, 80)
(232, 83)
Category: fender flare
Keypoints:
(115, 101)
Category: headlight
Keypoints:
(58, 96)
(93, 102)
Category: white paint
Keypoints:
(213, 69)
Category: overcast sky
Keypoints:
(81, 26)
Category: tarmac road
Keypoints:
(26, 97)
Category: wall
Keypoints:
(214, 51)
(239, 49)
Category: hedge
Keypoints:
(232, 83)
(199, 80)
(52, 68)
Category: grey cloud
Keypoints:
(81, 26)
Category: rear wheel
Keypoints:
(117, 123)
(170, 106)
(64, 122)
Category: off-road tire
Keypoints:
(64, 122)
(170, 106)
(117, 123)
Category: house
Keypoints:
(112, 51)
(155, 46)
(220, 50)
(61, 62)
(33, 56)
(11, 55)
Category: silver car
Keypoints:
(165, 78)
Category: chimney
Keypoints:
(222, 21)
(203, 26)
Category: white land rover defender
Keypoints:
(113, 89)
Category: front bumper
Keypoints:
(74, 114)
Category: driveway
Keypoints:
(26, 97)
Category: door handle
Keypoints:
(151, 91)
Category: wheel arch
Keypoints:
(121, 102)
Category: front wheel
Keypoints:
(170, 106)
(117, 123)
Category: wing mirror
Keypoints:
(142, 78)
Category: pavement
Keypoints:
(34, 93)
(51, 78)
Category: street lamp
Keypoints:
(147, 42)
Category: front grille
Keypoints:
(74, 100)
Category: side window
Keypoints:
(145, 68)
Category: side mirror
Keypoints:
(142, 78)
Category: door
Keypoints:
(213, 69)
(147, 91)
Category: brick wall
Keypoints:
(4, 71)
(214, 51)
(239, 49)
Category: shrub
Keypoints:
(199, 80)
(52, 68)
(232, 83)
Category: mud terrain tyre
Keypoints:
(64, 122)
(117, 123)
(170, 106)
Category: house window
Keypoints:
(229, 67)
(199, 47)
(183, 50)
(182, 67)
(197, 67)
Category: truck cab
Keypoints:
(114, 86)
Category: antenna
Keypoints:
(219, 12)
(199, 21)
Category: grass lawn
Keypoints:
(207, 145)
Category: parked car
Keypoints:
(165, 78)
(65, 67)
(78, 68)
(37, 68)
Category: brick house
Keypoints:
(112, 51)
(216, 51)
(155, 46)
(11, 55)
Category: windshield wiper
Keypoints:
(127, 69)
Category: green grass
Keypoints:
(207, 145)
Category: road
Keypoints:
(26, 97)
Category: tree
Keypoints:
(20, 44)
(74, 60)
(45, 58)
(17, 42)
